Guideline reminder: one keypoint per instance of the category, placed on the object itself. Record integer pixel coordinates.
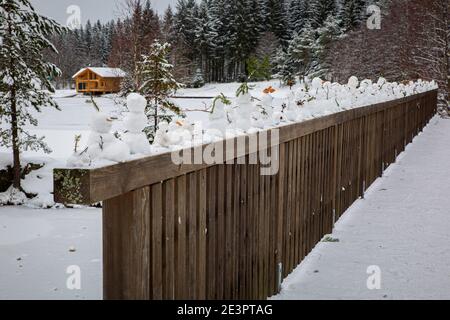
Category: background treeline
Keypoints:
(217, 39)
(227, 40)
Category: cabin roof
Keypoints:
(103, 72)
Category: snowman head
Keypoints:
(317, 83)
(163, 126)
(353, 82)
(136, 103)
(101, 123)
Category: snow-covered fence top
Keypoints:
(91, 185)
(225, 231)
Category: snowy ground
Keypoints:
(402, 227)
(35, 252)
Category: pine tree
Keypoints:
(300, 56)
(220, 20)
(275, 19)
(298, 15)
(329, 32)
(244, 36)
(319, 10)
(185, 27)
(25, 74)
(351, 14)
(158, 84)
(168, 26)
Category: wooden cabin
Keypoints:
(98, 80)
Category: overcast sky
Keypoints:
(93, 10)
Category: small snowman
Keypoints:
(162, 135)
(352, 87)
(78, 159)
(317, 89)
(277, 117)
(302, 95)
(353, 84)
(181, 132)
(102, 144)
(291, 108)
(366, 87)
(244, 108)
(267, 109)
(218, 118)
(135, 123)
(381, 83)
(327, 87)
(259, 120)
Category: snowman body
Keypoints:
(218, 121)
(102, 144)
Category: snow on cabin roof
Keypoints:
(103, 72)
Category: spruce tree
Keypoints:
(25, 74)
(351, 14)
(326, 34)
(158, 84)
(275, 19)
(298, 15)
(168, 26)
(319, 10)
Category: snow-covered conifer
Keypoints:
(158, 84)
(25, 76)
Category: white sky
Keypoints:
(103, 10)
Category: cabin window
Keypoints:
(102, 84)
(82, 86)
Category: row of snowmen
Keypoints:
(312, 99)
(105, 146)
(247, 113)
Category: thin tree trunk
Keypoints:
(14, 122)
(15, 140)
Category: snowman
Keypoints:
(366, 87)
(218, 118)
(317, 89)
(181, 132)
(267, 109)
(79, 160)
(243, 111)
(135, 123)
(102, 144)
(352, 87)
(302, 95)
(291, 110)
(163, 137)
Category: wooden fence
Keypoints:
(224, 231)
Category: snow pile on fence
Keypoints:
(231, 117)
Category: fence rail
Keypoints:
(225, 231)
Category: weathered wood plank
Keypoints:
(126, 246)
